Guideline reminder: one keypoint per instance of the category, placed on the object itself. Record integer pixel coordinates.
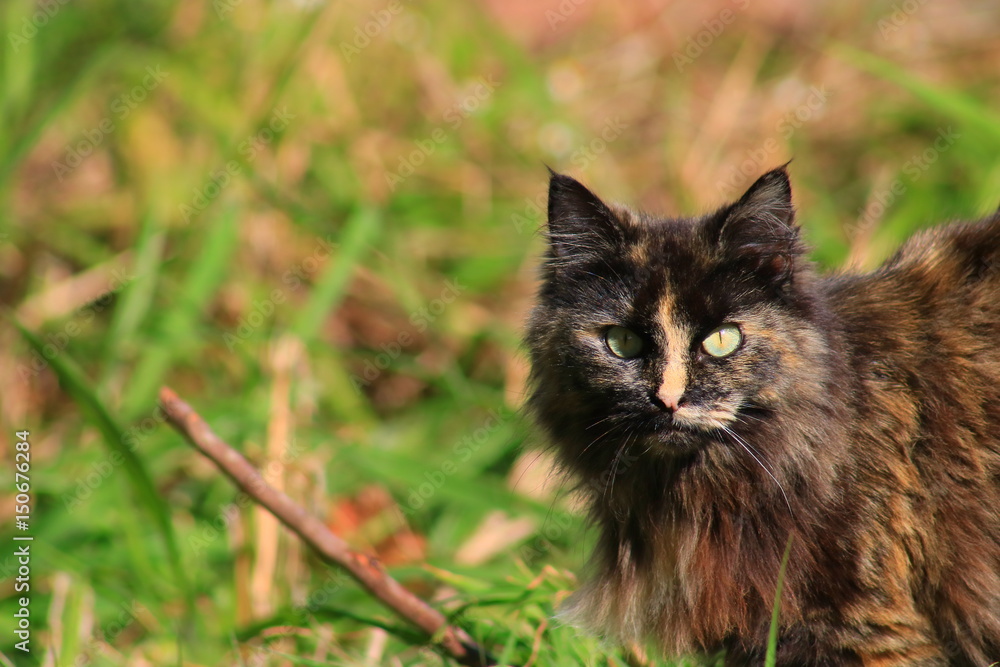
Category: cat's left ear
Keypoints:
(760, 228)
(580, 225)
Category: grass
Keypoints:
(770, 659)
(325, 241)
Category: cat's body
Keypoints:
(859, 414)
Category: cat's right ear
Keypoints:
(580, 224)
(760, 228)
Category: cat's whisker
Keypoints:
(612, 269)
(610, 481)
(602, 436)
(526, 468)
(600, 421)
(745, 405)
(629, 439)
(743, 418)
(750, 450)
(598, 439)
(648, 448)
(597, 275)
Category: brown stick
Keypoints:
(364, 568)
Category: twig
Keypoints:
(364, 568)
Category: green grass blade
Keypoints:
(67, 644)
(291, 616)
(361, 230)
(962, 108)
(199, 286)
(137, 296)
(772, 637)
(74, 382)
(507, 652)
(28, 135)
(18, 66)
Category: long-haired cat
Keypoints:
(716, 395)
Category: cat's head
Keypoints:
(660, 337)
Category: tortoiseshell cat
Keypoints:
(716, 395)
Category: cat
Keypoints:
(718, 399)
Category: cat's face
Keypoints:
(656, 335)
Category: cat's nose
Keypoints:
(668, 401)
(670, 395)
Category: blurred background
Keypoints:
(318, 222)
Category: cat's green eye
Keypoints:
(723, 341)
(623, 343)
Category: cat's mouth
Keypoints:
(681, 432)
(673, 435)
(692, 427)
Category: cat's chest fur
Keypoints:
(750, 400)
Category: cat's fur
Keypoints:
(861, 415)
